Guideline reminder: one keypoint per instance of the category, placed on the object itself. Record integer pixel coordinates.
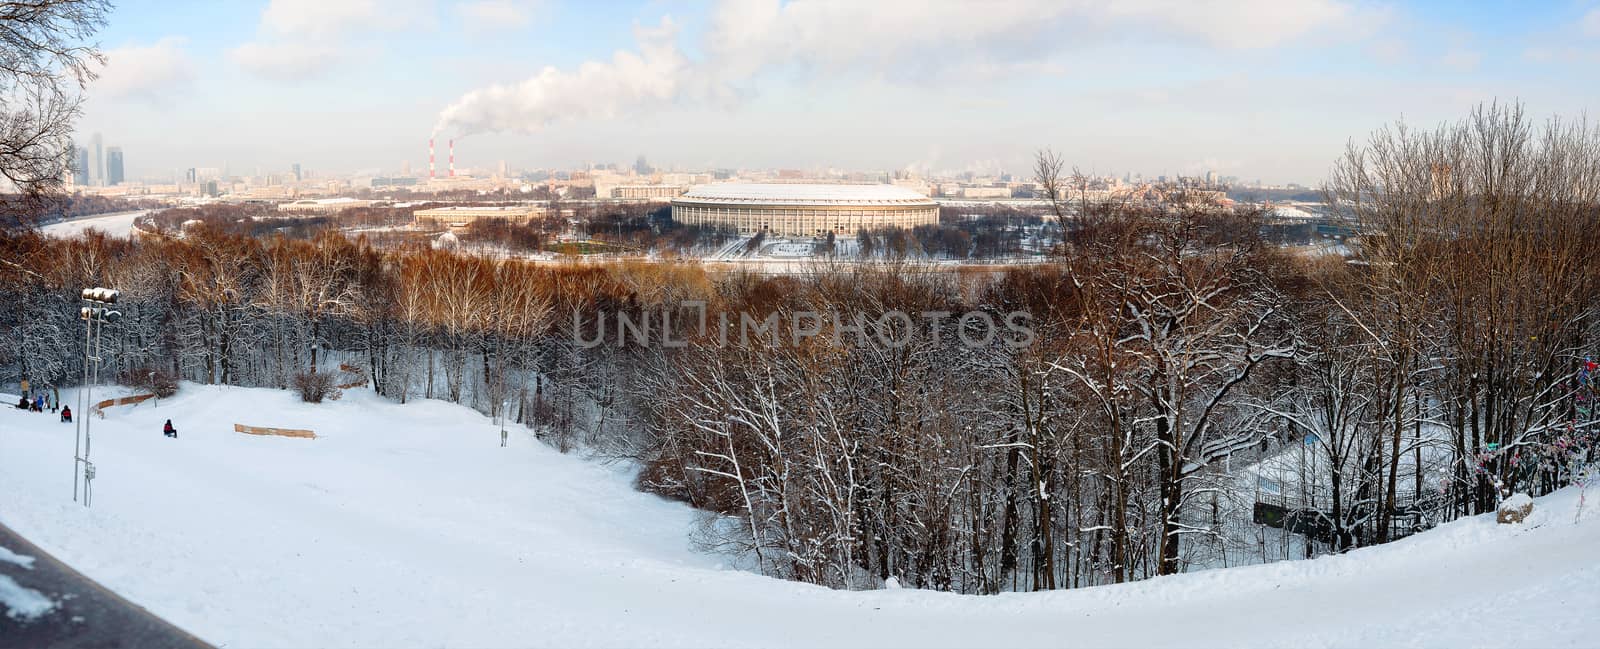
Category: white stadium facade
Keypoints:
(797, 210)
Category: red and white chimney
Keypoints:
(430, 158)
(452, 157)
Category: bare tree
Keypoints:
(1476, 289)
(1047, 169)
(44, 64)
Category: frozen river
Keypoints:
(119, 224)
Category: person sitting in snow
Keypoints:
(22, 404)
(168, 430)
(66, 415)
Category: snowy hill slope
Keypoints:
(409, 526)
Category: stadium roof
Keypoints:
(804, 194)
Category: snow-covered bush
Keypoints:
(161, 383)
(1514, 510)
(314, 387)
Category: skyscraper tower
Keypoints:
(296, 168)
(80, 166)
(97, 173)
(114, 165)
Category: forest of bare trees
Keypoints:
(1173, 354)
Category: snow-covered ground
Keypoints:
(116, 225)
(1293, 212)
(408, 525)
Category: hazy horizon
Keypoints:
(1255, 89)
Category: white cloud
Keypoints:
(145, 71)
(749, 35)
(1241, 24)
(1461, 59)
(334, 17)
(654, 75)
(300, 39)
(493, 15)
(900, 38)
(284, 61)
(1590, 23)
(1561, 55)
(1392, 51)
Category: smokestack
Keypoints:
(452, 157)
(430, 158)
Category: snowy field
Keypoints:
(116, 225)
(409, 526)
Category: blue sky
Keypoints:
(1257, 88)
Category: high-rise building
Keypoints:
(641, 167)
(114, 165)
(189, 175)
(296, 168)
(97, 173)
(80, 166)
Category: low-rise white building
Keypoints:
(646, 192)
(322, 205)
(457, 216)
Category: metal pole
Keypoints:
(77, 428)
(83, 439)
(88, 440)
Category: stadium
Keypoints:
(803, 210)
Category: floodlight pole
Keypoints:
(77, 428)
(82, 441)
(88, 440)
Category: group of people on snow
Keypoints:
(43, 401)
(39, 403)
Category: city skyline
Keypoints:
(1249, 89)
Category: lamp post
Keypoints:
(505, 408)
(94, 314)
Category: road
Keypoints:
(85, 615)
